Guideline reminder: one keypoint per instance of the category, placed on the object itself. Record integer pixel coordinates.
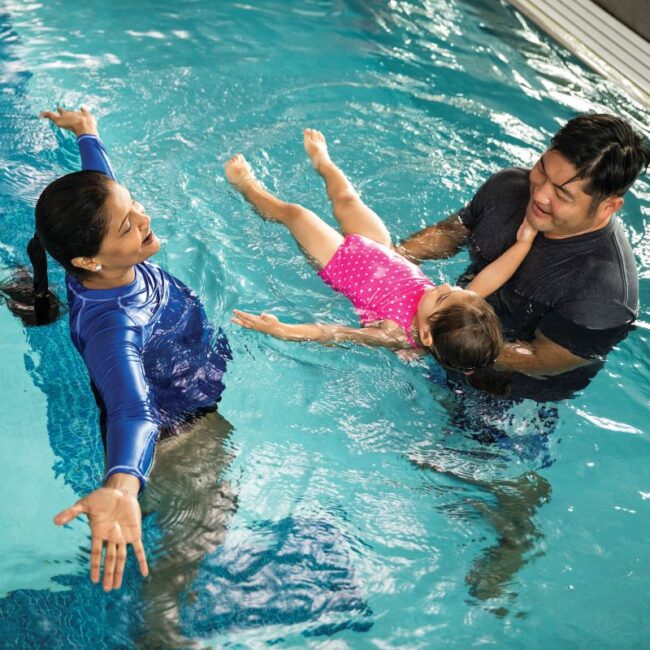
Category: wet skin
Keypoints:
(129, 240)
(559, 207)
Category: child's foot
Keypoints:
(239, 172)
(316, 147)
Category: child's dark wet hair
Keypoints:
(71, 221)
(466, 337)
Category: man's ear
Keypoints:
(611, 205)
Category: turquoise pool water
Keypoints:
(320, 521)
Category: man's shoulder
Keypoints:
(510, 175)
(501, 198)
(506, 181)
(604, 281)
(505, 188)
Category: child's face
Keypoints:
(435, 299)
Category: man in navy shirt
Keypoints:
(576, 293)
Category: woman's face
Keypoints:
(129, 239)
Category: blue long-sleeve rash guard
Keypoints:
(149, 348)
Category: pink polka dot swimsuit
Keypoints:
(380, 283)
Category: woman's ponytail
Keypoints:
(43, 299)
(38, 258)
(29, 297)
(71, 221)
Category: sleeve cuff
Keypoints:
(122, 469)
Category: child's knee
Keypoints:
(346, 199)
(294, 211)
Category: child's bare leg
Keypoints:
(355, 217)
(317, 238)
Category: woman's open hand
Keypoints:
(80, 122)
(116, 521)
(266, 323)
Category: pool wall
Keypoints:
(611, 47)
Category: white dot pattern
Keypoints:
(380, 283)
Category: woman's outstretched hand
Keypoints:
(115, 521)
(80, 122)
(266, 323)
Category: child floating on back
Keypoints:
(399, 307)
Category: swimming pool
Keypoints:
(320, 522)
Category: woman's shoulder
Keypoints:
(97, 317)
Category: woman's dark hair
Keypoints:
(71, 221)
(466, 337)
(605, 150)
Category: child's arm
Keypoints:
(385, 337)
(496, 274)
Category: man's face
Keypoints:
(559, 208)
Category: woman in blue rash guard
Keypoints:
(151, 354)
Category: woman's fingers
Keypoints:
(115, 559)
(95, 558)
(120, 561)
(67, 515)
(140, 555)
(109, 565)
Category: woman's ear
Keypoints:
(86, 264)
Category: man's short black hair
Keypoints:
(605, 150)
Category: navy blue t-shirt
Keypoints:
(580, 292)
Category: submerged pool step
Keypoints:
(600, 40)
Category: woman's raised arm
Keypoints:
(84, 125)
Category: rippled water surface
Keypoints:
(343, 499)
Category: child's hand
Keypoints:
(266, 323)
(526, 232)
(80, 122)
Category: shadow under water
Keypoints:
(192, 508)
(510, 509)
(484, 438)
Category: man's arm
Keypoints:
(539, 358)
(443, 239)
(384, 337)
